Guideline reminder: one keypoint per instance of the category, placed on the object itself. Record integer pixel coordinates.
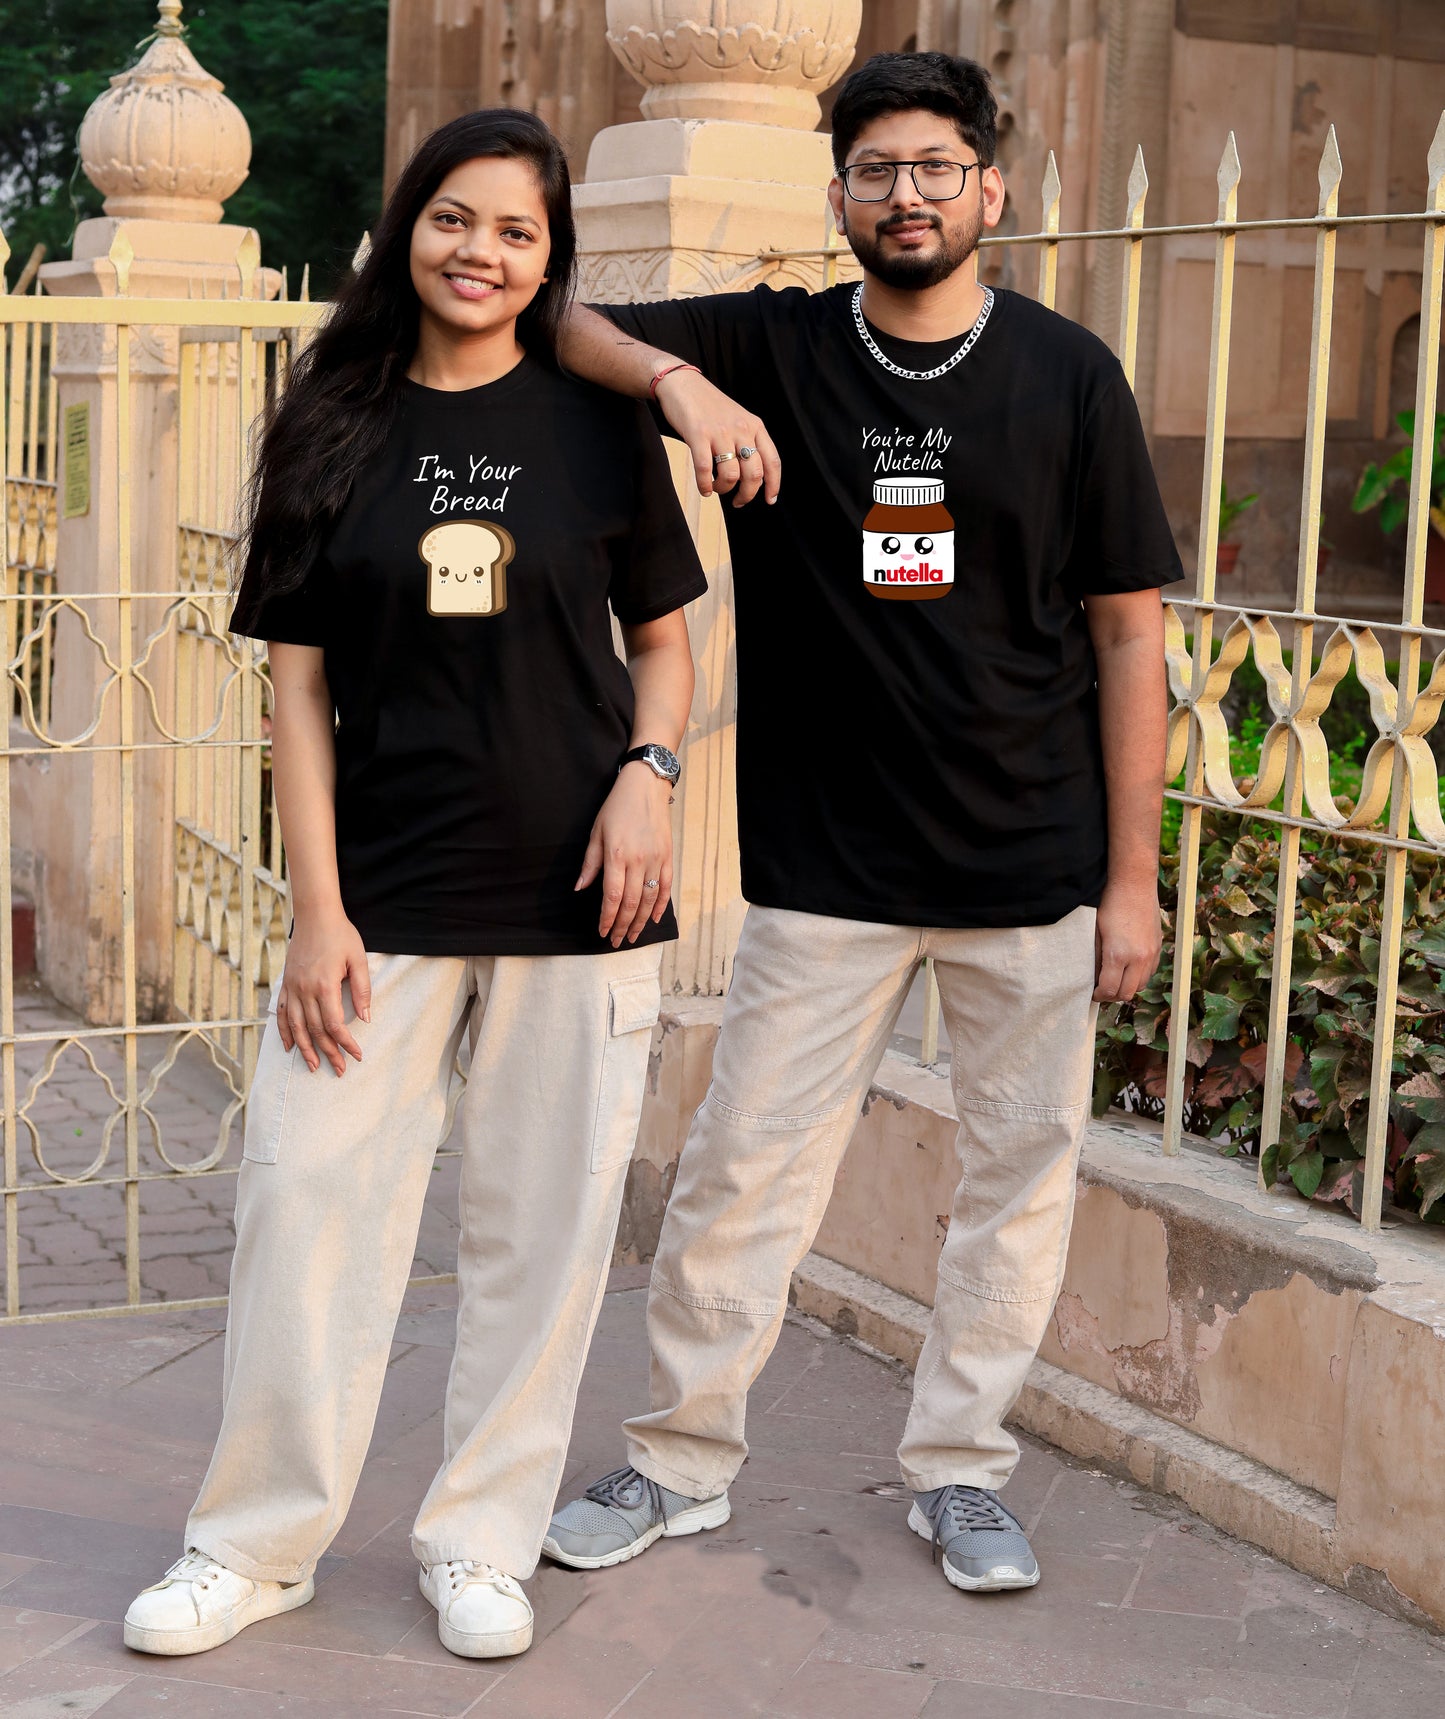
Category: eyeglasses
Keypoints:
(873, 181)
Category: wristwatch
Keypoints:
(658, 759)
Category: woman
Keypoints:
(474, 793)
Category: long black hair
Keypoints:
(342, 392)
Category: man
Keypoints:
(951, 715)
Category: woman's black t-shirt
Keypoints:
(482, 709)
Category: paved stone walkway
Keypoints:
(814, 1602)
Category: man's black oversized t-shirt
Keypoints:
(482, 710)
(918, 736)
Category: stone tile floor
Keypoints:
(815, 1602)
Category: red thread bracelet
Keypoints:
(671, 370)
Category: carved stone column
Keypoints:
(724, 164)
(166, 147)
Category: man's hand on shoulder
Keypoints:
(1127, 939)
(732, 452)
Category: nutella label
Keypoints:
(889, 558)
(908, 540)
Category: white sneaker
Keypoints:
(481, 1613)
(199, 1603)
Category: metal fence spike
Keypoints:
(122, 255)
(1049, 253)
(1332, 170)
(1138, 189)
(248, 259)
(1228, 177)
(1052, 191)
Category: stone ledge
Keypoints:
(1263, 1360)
(1233, 1492)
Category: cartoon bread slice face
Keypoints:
(466, 567)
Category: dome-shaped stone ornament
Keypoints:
(759, 61)
(163, 143)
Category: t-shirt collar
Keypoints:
(468, 399)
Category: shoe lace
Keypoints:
(962, 1508)
(627, 1489)
(194, 1566)
(461, 1571)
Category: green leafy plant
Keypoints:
(1330, 1023)
(1387, 485)
(1230, 510)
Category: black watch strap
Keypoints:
(649, 755)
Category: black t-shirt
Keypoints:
(481, 706)
(933, 761)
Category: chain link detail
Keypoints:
(921, 375)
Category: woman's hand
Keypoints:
(712, 425)
(631, 845)
(324, 950)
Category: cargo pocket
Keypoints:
(633, 1006)
(266, 1104)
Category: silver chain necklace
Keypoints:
(938, 370)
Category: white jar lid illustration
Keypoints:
(908, 492)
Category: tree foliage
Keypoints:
(309, 75)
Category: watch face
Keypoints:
(664, 761)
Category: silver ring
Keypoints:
(649, 883)
(722, 459)
(746, 453)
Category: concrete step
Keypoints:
(1243, 1497)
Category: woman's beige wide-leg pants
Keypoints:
(328, 1206)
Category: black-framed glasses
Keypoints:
(941, 181)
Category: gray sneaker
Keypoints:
(621, 1515)
(984, 1548)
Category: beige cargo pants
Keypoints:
(810, 1012)
(328, 1205)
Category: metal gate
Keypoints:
(129, 700)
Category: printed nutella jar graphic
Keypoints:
(908, 540)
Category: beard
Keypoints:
(912, 271)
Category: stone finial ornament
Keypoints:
(758, 61)
(163, 143)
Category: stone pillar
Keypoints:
(723, 165)
(166, 147)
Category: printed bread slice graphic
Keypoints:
(467, 567)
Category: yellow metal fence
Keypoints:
(167, 685)
(162, 682)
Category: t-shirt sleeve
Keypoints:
(655, 568)
(720, 333)
(296, 617)
(1122, 538)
